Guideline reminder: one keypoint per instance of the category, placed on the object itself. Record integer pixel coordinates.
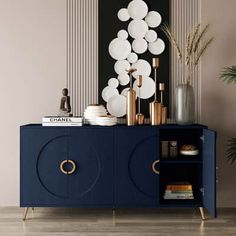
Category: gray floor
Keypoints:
(45, 221)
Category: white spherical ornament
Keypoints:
(121, 67)
(157, 47)
(143, 68)
(151, 36)
(137, 9)
(124, 79)
(123, 14)
(119, 49)
(139, 46)
(113, 83)
(116, 105)
(148, 88)
(122, 34)
(153, 19)
(132, 57)
(137, 29)
(109, 92)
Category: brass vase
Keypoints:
(131, 107)
(131, 102)
(139, 116)
(155, 113)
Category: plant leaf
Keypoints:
(231, 150)
(228, 75)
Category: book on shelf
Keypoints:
(179, 186)
(179, 190)
(178, 197)
(62, 119)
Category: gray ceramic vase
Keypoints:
(184, 104)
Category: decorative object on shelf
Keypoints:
(106, 120)
(184, 99)
(163, 108)
(173, 149)
(164, 149)
(188, 150)
(184, 104)
(131, 101)
(228, 75)
(163, 115)
(179, 190)
(130, 46)
(62, 121)
(65, 107)
(139, 116)
(92, 112)
(155, 106)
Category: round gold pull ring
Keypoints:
(67, 172)
(154, 167)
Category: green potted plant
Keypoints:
(228, 75)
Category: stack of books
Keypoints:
(179, 190)
(62, 121)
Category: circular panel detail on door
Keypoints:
(51, 155)
(82, 151)
(140, 167)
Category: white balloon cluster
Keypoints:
(126, 54)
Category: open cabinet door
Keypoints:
(209, 171)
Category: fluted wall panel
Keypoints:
(82, 50)
(185, 15)
(82, 53)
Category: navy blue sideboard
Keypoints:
(112, 167)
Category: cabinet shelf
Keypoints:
(175, 161)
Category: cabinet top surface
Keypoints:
(168, 126)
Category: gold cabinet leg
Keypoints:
(25, 213)
(202, 213)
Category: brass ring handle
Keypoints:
(67, 172)
(154, 167)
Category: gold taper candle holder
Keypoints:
(155, 113)
(131, 101)
(155, 63)
(163, 115)
(139, 116)
(161, 89)
(155, 106)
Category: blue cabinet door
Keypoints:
(209, 171)
(92, 149)
(41, 152)
(136, 151)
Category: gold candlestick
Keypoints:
(163, 115)
(131, 101)
(155, 65)
(155, 106)
(161, 89)
(139, 116)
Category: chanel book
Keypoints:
(62, 119)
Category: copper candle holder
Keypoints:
(131, 101)
(161, 89)
(139, 116)
(155, 106)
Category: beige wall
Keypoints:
(32, 74)
(33, 71)
(219, 99)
